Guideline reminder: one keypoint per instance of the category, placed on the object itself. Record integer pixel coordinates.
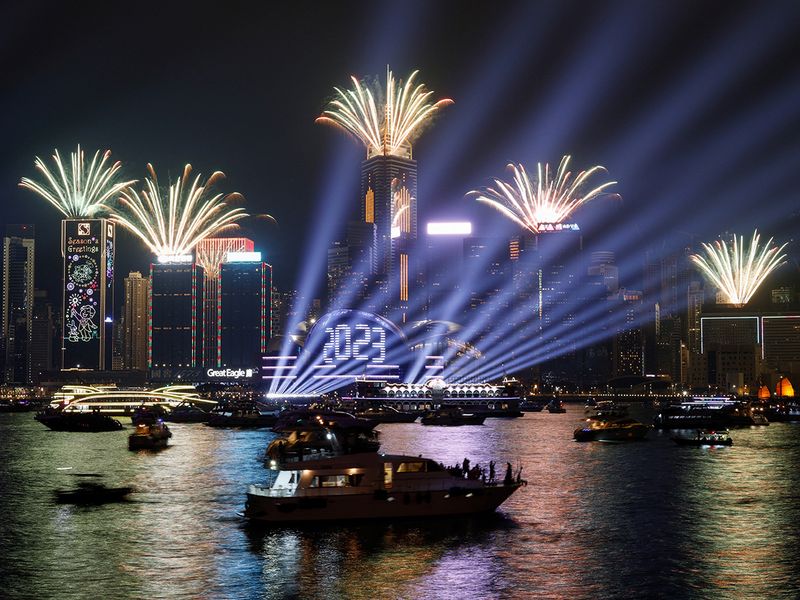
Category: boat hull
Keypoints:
(694, 442)
(381, 504)
(79, 422)
(453, 421)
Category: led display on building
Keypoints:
(87, 246)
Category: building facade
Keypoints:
(245, 314)
(134, 322)
(18, 302)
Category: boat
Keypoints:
(186, 412)
(147, 415)
(241, 417)
(387, 414)
(451, 416)
(92, 493)
(705, 437)
(372, 486)
(782, 411)
(606, 410)
(529, 405)
(709, 413)
(149, 437)
(60, 420)
(616, 430)
(555, 406)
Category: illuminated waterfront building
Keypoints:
(781, 342)
(628, 344)
(134, 325)
(175, 324)
(210, 253)
(244, 312)
(87, 246)
(18, 302)
(389, 200)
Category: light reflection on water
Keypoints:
(596, 520)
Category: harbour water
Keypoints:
(638, 520)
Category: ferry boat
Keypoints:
(709, 413)
(371, 486)
(616, 430)
(705, 437)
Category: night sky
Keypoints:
(694, 107)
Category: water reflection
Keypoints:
(628, 520)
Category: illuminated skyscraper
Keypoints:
(244, 313)
(18, 294)
(175, 335)
(43, 331)
(134, 339)
(389, 200)
(444, 264)
(210, 254)
(87, 246)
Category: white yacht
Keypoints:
(372, 486)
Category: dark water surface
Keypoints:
(638, 520)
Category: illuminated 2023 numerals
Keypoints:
(355, 342)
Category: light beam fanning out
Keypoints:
(547, 199)
(384, 126)
(736, 269)
(78, 190)
(173, 225)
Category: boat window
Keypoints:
(387, 475)
(331, 481)
(411, 467)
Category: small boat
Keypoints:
(147, 415)
(92, 493)
(372, 486)
(529, 405)
(618, 430)
(451, 416)
(387, 414)
(705, 437)
(605, 410)
(555, 406)
(60, 420)
(149, 437)
(186, 412)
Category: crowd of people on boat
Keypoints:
(488, 476)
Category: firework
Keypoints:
(736, 269)
(78, 190)
(548, 199)
(384, 126)
(210, 253)
(173, 225)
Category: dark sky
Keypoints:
(694, 107)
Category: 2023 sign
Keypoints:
(354, 342)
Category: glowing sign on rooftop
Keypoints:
(450, 228)
(234, 257)
(174, 258)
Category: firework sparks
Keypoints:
(173, 225)
(383, 126)
(736, 269)
(548, 199)
(78, 190)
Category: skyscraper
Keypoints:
(87, 246)
(389, 200)
(134, 339)
(18, 301)
(41, 336)
(244, 313)
(175, 336)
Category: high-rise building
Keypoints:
(87, 246)
(444, 265)
(175, 324)
(389, 200)
(18, 301)
(628, 346)
(41, 336)
(351, 266)
(244, 312)
(134, 339)
(487, 273)
(210, 253)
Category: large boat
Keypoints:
(451, 416)
(372, 486)
(151, 436)
(783, 410)
(241, 417)
(60, 420)
(604, 410)
(709, 413)
(616, 430)
(187, 412)
(705, 437)
(387, 414)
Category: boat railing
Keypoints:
(291, 491)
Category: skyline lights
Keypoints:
(548, 199)
(449, 228)
(736, 269)
(78, 191)
(384, 120)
